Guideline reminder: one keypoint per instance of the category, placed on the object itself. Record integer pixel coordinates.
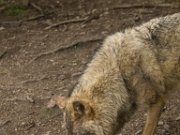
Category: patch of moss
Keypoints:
(15, 11)
(1, 2)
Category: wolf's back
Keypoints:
(165, 31)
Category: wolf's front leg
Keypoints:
(154, 113)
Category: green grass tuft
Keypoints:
(1, 2)
(15, 11)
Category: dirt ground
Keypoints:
(37, 61)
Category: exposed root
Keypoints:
(37, 8)
(73, 44)
(146, 6)
(66, 22)
(85, 20)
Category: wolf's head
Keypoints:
(79, 117)
(97, 106)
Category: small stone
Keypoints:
(30, 99)
(160, 123)
(94, 11)
(2, 28)
(23, 123)
(106, 13)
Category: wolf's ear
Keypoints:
(82, 108)
(79, 108)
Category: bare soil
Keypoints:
(37, 61)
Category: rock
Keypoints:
(160, 123)
(2, 28)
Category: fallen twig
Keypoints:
(85, 20)
(178, 118)
(2, 8)
(147, 6)
(94, 16)
(38, 16)
(22, 98)
(76, 74)
(3, 54)
(50, 118)
(37, 7)
(4, 123)
(35, 80)
(75, 43)
(35, 17)
(66, 22)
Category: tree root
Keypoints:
(73, 44)
(146, 6)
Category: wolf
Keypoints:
(134, 68)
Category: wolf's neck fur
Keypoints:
(104, 63)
